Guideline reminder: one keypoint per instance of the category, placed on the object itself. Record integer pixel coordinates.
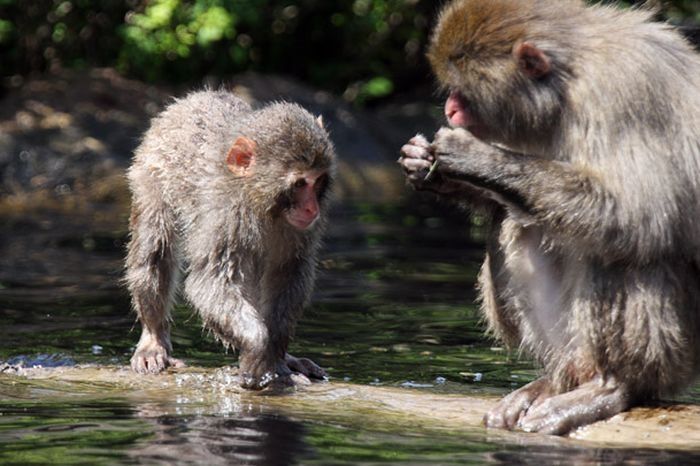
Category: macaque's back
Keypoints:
(186, 143)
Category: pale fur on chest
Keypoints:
(535, 288)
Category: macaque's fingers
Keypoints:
(420, 141)
(413, 165)
(416, 161)
(416, 155)
(305, 366)
(412, 151)
(563, 413)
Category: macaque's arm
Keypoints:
(571, 204)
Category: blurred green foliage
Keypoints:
(364, 49)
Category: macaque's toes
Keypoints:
(147, 364)
(511, 409)
(153, 362)
(553, 422)
(306, 367)
(508, 412)
(502, 417)
(584, 405)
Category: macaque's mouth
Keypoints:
(301, 223)
(457, 110)
(459, 114)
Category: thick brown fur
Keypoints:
(588, 161)
(248, 272)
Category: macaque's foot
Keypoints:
(514, 406)
(252, 382)
(590, 402)
(290, 371)
(305, 366)
(152, 357)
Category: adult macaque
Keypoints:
(593, 187)
(236, 198)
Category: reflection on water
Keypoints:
(393, 306)
(248, 438)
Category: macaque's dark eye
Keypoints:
(300, 183)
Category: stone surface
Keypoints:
(210, 390)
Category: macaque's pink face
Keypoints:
(531, 62)
(300, 194)
(307, 189)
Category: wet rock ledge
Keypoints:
(209, 391)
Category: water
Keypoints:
(393, 308)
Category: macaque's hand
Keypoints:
(459, 153)
(416, 160)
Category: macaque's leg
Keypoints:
(235, 321)
(151, 272)
(288, 305)
(515, 405)
(502, 321)
(588, 403)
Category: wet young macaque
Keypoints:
(577, 130)
(236, 200)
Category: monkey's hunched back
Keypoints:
(236, 198)
(638, 120)
(182, 148)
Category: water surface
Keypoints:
(394, 306)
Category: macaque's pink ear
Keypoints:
(241, 156)
(319, 122)
(532, 61)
